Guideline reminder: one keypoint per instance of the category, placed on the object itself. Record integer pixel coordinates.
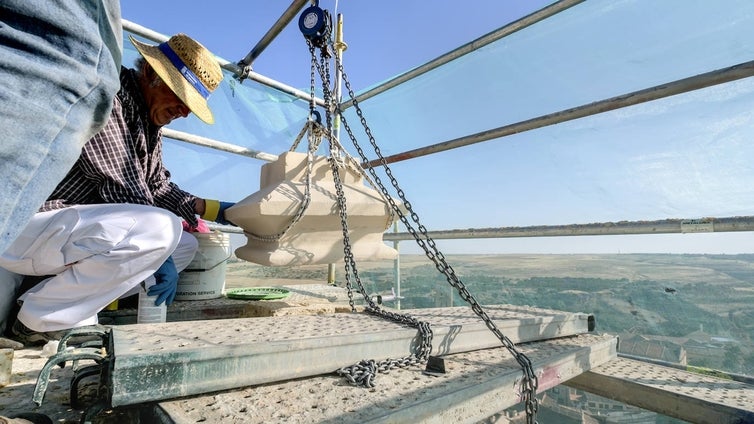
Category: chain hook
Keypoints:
(316, 116)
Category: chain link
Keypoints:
(363, 373)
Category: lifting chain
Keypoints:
(363, 373)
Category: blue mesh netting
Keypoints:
(681, 157)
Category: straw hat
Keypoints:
(188, 68)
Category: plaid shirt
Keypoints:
(123, 162)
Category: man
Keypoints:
(114, 219)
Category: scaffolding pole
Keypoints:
(217, 145)
(274, 31)
(720, 76)
(665, 226)
(480, 42)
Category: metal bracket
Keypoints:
(97, 355)
(435, 366)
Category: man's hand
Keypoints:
(167, 283)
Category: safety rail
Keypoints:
(719, 76)
(217, 145)
(664, 226)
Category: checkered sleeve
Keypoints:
(110, 160)
(168, 195)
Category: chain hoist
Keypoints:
(318, 36)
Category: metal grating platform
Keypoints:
(681, 394)
(164, 361)
(477, 385)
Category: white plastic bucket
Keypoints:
(205, 276)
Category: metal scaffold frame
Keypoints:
(593, 380)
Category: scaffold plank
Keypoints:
(680, 394)
(477, 385)
(164, 361)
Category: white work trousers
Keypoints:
(182, 257)
(95, 254)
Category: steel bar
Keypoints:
(665, 226)
(720, 76)
(218, 145)
(232, 67)
(163, 361)
(397, 269)
(480, 42)
(274, 31)
(680, 394)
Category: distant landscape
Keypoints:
(699, 308)
(660, 296)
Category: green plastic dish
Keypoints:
(257, 293)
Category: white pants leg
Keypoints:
(184, 253)
(95, 254)
(182, 257)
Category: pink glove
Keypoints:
(201, 227)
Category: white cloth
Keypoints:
(182, 257)
(95, 254)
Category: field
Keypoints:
(660, 296)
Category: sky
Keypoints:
(640, 163)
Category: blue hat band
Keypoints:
(187, 73)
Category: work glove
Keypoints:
(214, 210)
(201, 227)
(167, 283)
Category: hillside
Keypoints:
(645, 294)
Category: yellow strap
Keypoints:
(211, 209)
